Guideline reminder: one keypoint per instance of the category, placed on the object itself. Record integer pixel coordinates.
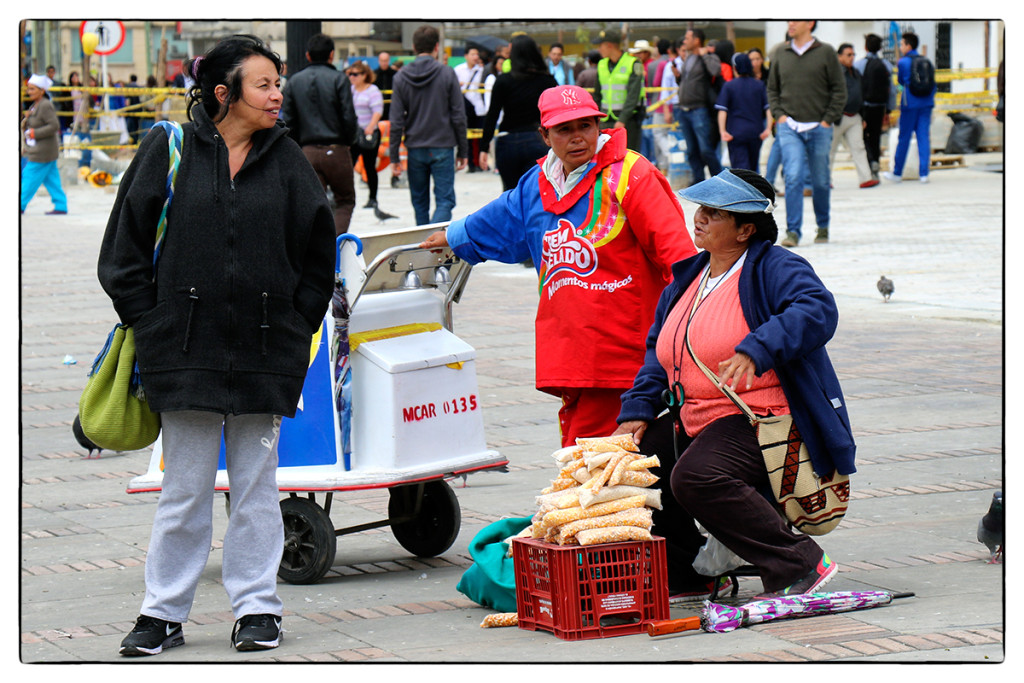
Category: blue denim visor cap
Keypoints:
(729, 192)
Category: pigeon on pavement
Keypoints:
(990, 528)
(83, 440)
(885, 287)
(382, 215)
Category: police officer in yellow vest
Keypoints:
(620, 87)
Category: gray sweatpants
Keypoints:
(183, 528)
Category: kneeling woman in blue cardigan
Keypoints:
(758, 317)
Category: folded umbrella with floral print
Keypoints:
(718, 618)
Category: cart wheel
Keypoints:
(310, 543)
(435, 528)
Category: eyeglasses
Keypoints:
(352, 74)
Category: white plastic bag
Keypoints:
(715, 559)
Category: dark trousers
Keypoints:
(744, 153)
(369, 165)
(473, 121)
(720, 481)
(873, 117)
(517, 153)
(333, 165)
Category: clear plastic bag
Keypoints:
(715, 559)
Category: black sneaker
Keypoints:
(150, 636)
(257, 632)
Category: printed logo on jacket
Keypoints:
(568, 260)
(569, 255)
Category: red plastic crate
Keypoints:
(596, 591)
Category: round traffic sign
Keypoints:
(109, 31)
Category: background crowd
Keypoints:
(481, 114)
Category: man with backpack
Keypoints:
(917, 76)
(879, 98)
(697, 92)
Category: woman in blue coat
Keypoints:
(759, 318)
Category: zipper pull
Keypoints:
(264, 326)
(193, 298)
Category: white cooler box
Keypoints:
(421, 391)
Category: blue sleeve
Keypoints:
(643, 400)
(496, 232)
(801, 314)
(724, 98)
(903, 71)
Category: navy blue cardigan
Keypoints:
(791, 316)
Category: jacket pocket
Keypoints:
(281, 336)
(170, 335)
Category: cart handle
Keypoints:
(341, 238)
(452, 295)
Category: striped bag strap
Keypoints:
(174, 136)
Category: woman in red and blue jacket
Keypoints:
(603, 228)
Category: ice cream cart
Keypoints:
(390, 401)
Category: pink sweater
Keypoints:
(717, 327)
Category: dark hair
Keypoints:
(221, 65)
(319, 46)
(872, 42)
(839, 50)
(363, 68)
(526, 58)
(594, 57)
(765, 227)
(698, 33)
(425, 39)
(764, 64)
(558, 45)
(724, 50)
(911, 39)
(72, 76)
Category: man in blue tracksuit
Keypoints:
(915, 115)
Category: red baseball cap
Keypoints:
(565, 103)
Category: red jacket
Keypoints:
(604, 254)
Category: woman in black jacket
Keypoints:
(222, 328)
(514, 98)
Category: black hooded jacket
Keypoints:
(244, 276)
